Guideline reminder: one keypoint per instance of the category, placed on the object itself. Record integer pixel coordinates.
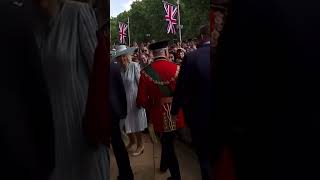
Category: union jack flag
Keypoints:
(171, 11)
(122, 32)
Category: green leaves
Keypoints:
(147, 17)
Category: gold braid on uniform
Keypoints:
(169, 125)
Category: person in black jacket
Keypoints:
(267, 70)
(26, 126)
(193, 94)
(118, 104)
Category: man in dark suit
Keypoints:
(193, 94)
(118, 104)
(267, 70)
(26, 127)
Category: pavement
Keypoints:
(146, 166)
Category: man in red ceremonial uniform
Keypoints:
(156, 86)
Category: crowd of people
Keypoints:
(65, 103)
(176, 50)
(160, 89)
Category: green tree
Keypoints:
(147, 17)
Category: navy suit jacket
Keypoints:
(117, 94)
(193, 88)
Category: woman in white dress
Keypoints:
(136, 120)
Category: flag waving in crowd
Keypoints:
(171, 11)
(122, 32)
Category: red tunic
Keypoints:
(224, 169)
(149, 95)
(97, 124)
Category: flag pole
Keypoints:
(129, 31)
(178, 2)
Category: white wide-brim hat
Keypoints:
(123, 50)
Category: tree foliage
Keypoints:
(147, 17)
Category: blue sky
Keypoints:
(118, 6)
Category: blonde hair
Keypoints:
(129, 56)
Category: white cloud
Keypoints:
(118, 6)
(127, 6)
